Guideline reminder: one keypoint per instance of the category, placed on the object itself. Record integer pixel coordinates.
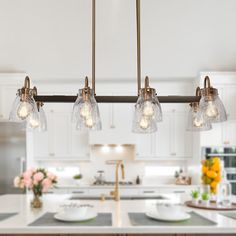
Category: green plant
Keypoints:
(195, 194)
(205, 196)
(79, 176)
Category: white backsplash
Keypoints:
(100, 154)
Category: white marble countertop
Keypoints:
(133, 186)
(18, 224)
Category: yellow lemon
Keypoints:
(217, 178)
(215, 167)
(211, 174)
(204, 169)
(213, 184)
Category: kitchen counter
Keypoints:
(133, 186)
(18, 224)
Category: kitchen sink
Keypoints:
(121, 198)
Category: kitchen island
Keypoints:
(121, 225)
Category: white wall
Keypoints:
(51, 39)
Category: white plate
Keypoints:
(89, 216)
(180, 217)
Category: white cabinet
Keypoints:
(182, 139)
(145, 146)
(163, 142)
(116, 125)
(228, 96)
(229, 133)
(172, 140)
(61, 141)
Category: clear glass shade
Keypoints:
(85, 112)
(42, 120)
(213, 109)
(197, 121)
(147, 113)
(23, 107)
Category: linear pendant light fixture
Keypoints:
(147, 108)
(206, 105)
(85, 110)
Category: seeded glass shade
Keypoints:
(147, 113)
(197, 121)
(85, 112)
(213, 109)
(22, 107)
(42, 120)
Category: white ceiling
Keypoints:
(51, 39)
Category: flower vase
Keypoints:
(36, 202)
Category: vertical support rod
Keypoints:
(93, 44)
(138, 45)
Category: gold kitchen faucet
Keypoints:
(116, 193)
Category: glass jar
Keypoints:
(224, 191)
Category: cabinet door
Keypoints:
(229, 97)
(105, 114)
(122, 114)
(229, 133)
(145, 145)
(79, 146)
(163, 147)
(182, 139)
(42, 147)
(60, 133)
(212, 137)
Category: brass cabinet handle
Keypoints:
(226, 142)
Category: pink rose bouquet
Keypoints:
(37, 180)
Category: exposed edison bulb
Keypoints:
(148, 109)
(85, 110)
(89, 122)
(211, 110)
(144, 123)
(198, 122)
(34, 123)
(24, 110)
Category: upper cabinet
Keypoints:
(116, 125)
(171, 141)
(61, 141)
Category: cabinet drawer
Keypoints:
(59, 191)
(129, 192)
(148, 192)
(99, 192)
(78, 191)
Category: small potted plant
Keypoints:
(205, 198)
(78, 178)
(195, 196)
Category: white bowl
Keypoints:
(75, 211)
(166, 210)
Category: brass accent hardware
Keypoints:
(116, 193)
(86, 91)
(25, 91)
(208, 91)
(138, 16)
(195, 105)
(93, 44)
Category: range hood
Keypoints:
(111, 137)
